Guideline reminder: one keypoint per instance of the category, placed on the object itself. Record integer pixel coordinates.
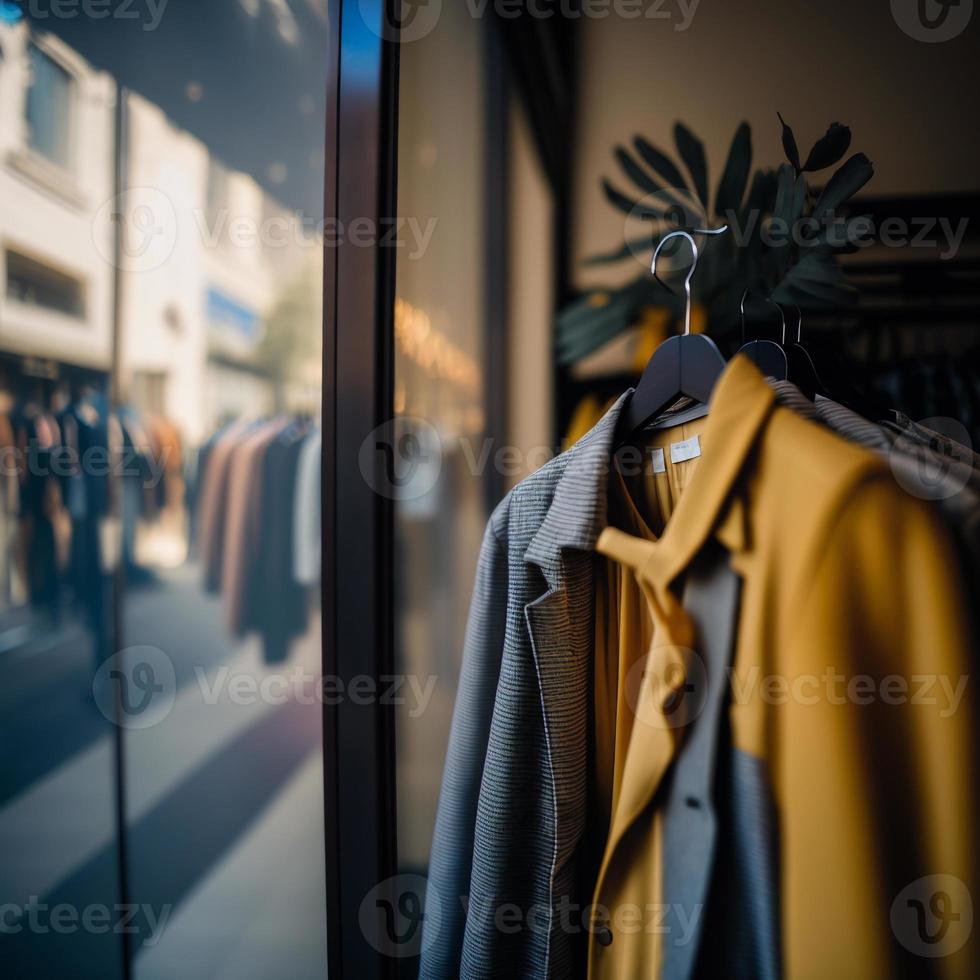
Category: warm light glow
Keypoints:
(431, 350)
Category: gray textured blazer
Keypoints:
(513, 801)
(512, 809)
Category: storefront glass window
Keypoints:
(161, 200)
(440, 397)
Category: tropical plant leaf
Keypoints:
(818, 280)
(759, 198)
(841, 235)
(845, 183)
(830, 148)
(818, 268)
(691, 150)
(806, 274)
(807, 293)
(587, 330)
(583, 326)
(785, 182)
(635, 172)
(750, 258)
(629, 206)
(789, 145)
(735, 176)
(786, 211)
(577, 315)
(660, 163)
(630, 247)
(798, 199)
(666, 196)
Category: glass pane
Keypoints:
(439, 399)
(219, 367)
(49, 107)
(60, 901)
(180, 323)
(220, 375)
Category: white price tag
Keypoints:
(680, 452)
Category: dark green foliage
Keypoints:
(781, 242)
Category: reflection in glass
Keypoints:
(48, 107)
(439, 395)
(58, 821)
(160, 398)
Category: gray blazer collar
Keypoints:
(578, 509)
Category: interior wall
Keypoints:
(912, 106)
(531, 299)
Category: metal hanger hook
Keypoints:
(782, 316)
(768, 299)
(681, 233)
(799, 324)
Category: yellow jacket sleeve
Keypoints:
(877, 750)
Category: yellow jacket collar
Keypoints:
(740, 406)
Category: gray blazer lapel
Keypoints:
(560, 623)
(561, 631)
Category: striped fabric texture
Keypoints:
(513, 801)
(512, 809)
(951, 477)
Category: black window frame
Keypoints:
(536, 60)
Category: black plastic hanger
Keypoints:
(686, 365)
(802, 371)
(767, 355)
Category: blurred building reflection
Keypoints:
(440, 341)
(160, 392)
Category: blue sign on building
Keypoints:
(228, 314)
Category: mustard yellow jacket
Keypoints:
(850, 685)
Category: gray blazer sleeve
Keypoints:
(451, 859)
